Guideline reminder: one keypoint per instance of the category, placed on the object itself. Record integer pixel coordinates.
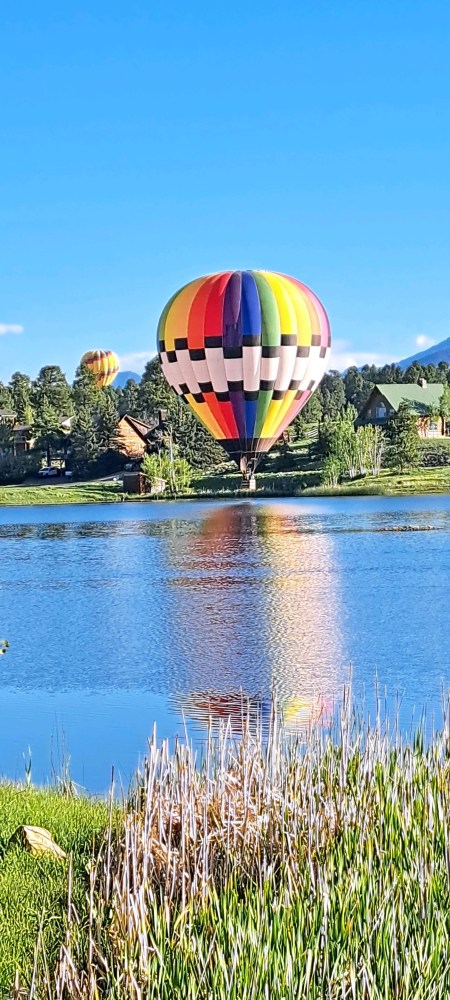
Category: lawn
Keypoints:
(100, 492)
(33, 891)
(297, 474)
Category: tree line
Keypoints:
(77, 423)
(355, 385)
(88, 445)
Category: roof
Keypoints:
(420, 397)
(139, 426)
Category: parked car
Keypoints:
(49, 470)
(68, 473)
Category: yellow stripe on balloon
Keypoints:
(178, 314)
(206, 417)
(288, 319)
(284, 292)
(300, 304)
(276, 413)
(272, 419)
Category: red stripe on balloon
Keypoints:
(215, 307)
(223, 413)
(197, 312)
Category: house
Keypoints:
(7, 418)
(131, 437)
(23, 439)
(20, 437)
(422, 398)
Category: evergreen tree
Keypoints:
(128, 401)
(85, 446)
(47, 425)
(107, 420)
(333, 394)
(357, 390)
(20, 386)
(85, 394)
(52, 383)
(403, 439)
(6, 398)
(413, 373)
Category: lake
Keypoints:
(119, 616)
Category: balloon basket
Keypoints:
(248, 484)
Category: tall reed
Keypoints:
(276, 869)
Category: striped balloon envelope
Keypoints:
(103, 364)
(245, 350)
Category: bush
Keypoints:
(178, 473)
(15, 468)
(434, 453)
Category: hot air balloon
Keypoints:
(104, 365)
(245, 350)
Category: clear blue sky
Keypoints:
(144, 143)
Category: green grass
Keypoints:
(34, 890)
(301, 478)
(108, 492)
(434, 480)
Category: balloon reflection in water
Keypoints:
(265, 605)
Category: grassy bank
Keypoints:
(33, 891)
(302, 480)
(107, 492)
(281, 871)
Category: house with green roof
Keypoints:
(422, 398)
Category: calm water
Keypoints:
(119, 616)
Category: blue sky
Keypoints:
(143, 144)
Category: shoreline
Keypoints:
(108, 493)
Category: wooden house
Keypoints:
(422, 399)
(131, 438)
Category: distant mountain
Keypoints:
(122, 378)
(431, 356)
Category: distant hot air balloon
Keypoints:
(245, 350)
(104, 365)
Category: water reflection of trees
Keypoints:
(265, 612)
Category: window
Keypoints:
(380, 411)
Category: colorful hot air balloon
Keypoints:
(104, 365)
(245, 350)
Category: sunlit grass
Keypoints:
(302, 480)
(33, 891)
(106, 492)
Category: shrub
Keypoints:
(15, 468)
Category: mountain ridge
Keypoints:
(430, 356)
(122, 378)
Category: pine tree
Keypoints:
(52, 383)
(20, 386)
(107, 420)
(128, 401)
(47, 425)
(403, 449)
(85, 393)
(85, 443)
(6, 398)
